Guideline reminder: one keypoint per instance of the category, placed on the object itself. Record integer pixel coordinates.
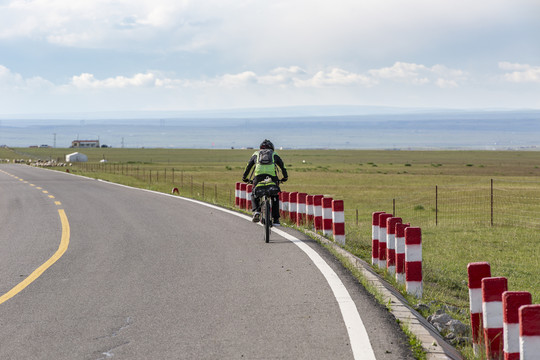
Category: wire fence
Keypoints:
(167, 180)
(496, 202)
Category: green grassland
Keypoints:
(446, 193)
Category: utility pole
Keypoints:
(54, 142)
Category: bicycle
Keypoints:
(266, 193)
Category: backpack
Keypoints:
(266, 157)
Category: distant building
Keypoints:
(85, 144)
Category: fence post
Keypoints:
(436, 205)
(491, 202)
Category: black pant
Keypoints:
(256, 205)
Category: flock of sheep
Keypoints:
(39, 162)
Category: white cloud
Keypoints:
(402, 84)
(336, 77)
(418, 74)
(234, 80)
(523, 73)
(283, 76)
(96, 24)
(445, 83)
(15, 82)
(285, 29)
(138, 80)
(293, 77)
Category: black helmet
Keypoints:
(267, 144)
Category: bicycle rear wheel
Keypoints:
(267, 220)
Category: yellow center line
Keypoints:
(64, 243)
(51, 196)
(58, 203)
(45, 192)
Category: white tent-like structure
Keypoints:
(76, 157)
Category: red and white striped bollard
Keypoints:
(243, 187)
(237, 194)
(413, 261)
(382, 239)
(511, 302)
(476, 272)
(492, 315)
(529, 332)
(400, 252)
(375, 237)
(301, 209)
(317, 216)
(280, 197)
(249, 191)
(391, 243)
(293, 202)
(327, 216)
(338, 221)
(285, 203)
(309, 210)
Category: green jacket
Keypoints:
(261, 171)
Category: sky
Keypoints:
(65, 56)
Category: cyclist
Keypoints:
(265, 161)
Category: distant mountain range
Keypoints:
(291, 111)
(294, 127)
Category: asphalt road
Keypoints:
(93, 270)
